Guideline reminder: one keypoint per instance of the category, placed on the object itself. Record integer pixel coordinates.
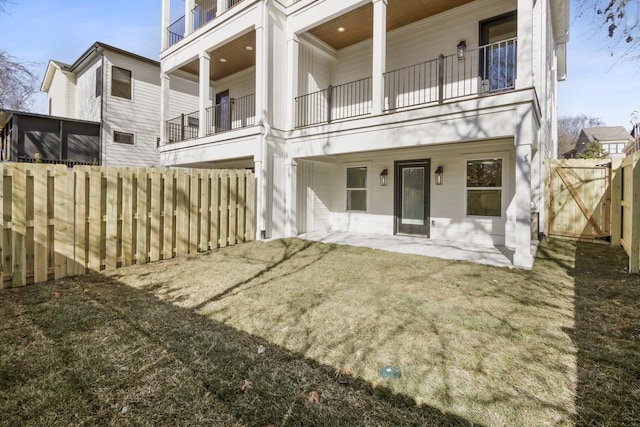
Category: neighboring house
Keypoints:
(633, 145)
(121, 91)
(613, 139)
(53, 139)
(381, 116)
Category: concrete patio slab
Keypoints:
(491, 255)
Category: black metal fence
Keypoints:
(66, 162)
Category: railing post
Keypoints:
(181, 127)
(329, 102)
(441, 78)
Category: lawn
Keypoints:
(291, 332)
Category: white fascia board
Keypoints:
(560, 19)
(562, 61)
(320, 12)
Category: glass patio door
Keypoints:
(412, 198)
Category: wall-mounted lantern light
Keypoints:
(461, 49)
(439, 174)
(384, 177)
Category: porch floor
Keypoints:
(491, 255)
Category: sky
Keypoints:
(598, 83)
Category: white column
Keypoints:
(166, 21)
(293, 49)
(221, 6)
(165, 90)
(204, 101)
(260, 217)
(262, 118)
(291, 199)
(523, 256)
(379, 54)
(188, 16)
(525, 44)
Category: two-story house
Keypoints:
(121, 91)
(419, 117)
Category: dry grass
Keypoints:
(175, 341)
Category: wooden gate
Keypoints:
(580, 199)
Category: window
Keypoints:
(614, 148)
(357, 188)
(120, 83)
(123, 138)
(484, 187)
(99, 81)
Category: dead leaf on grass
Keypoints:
(261, 349)
(345, 371)
(313, 397)
(19, 313)
(246, 386)
(57, 294)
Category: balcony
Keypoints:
(226, 116)
(487, 70)
(204, 12)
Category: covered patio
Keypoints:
(499, 256)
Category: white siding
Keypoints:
(183, 98)
(87, 104)
(326, 194)
(139, 115)
(60, 94)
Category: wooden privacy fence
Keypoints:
(596, 199)
(58, 222)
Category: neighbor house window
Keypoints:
(484, 187)
(99, 81)
(123, 138)
(120, 82)
(357, 188)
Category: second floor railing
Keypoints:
(231, 114)
(176, 31)
(204, 12)
(339, 102)
(488, 69)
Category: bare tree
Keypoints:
(17, 83)
(569, 128)
(619, 19)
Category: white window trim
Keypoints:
(503, 188)
(367, 189)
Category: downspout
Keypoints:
(103, 138)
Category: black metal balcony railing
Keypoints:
(339, 102)
(229, 115)
(204, 12)
(237, 113)
(488, 69)
(183, 127)
(176, 31)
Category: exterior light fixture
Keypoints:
(341, 29)
(439, 174)
(461, 49)
(249, 48)
(223, 60)
(384, 177)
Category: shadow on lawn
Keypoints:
(607, 336)
(95, 346)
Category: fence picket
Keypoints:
(95, 218)
(142, 216)
(215, 209)
(168, 215)
(40, 224)
(194, 198)
(3, 243)
(112, 218)
(18, 225)
(204, 212)
(224, 209)
(127, 217)
(154, 221)
(233, 197)
(182, 213)
(242, 194)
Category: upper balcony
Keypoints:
(490, 69)
(203, 12)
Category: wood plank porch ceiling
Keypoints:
(235, 54)
(358, 24)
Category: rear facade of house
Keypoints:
(429, 118)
